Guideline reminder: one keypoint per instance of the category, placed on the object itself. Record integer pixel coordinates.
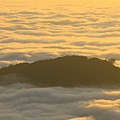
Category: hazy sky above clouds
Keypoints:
(35, 29)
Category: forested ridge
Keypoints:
(67, 71)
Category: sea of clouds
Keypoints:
(33, 30)
(26, 102)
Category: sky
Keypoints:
(34, 30)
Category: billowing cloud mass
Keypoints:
(33, 30)
(27, 102)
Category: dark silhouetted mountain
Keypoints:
(68, 71)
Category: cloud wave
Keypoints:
(24, 101)
(73, 27)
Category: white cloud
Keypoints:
(24, 101)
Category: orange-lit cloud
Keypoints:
(59, 28)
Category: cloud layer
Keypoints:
(27, 102)
(39, 30)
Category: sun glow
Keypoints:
(83, 118)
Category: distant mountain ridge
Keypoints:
(67, 71)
